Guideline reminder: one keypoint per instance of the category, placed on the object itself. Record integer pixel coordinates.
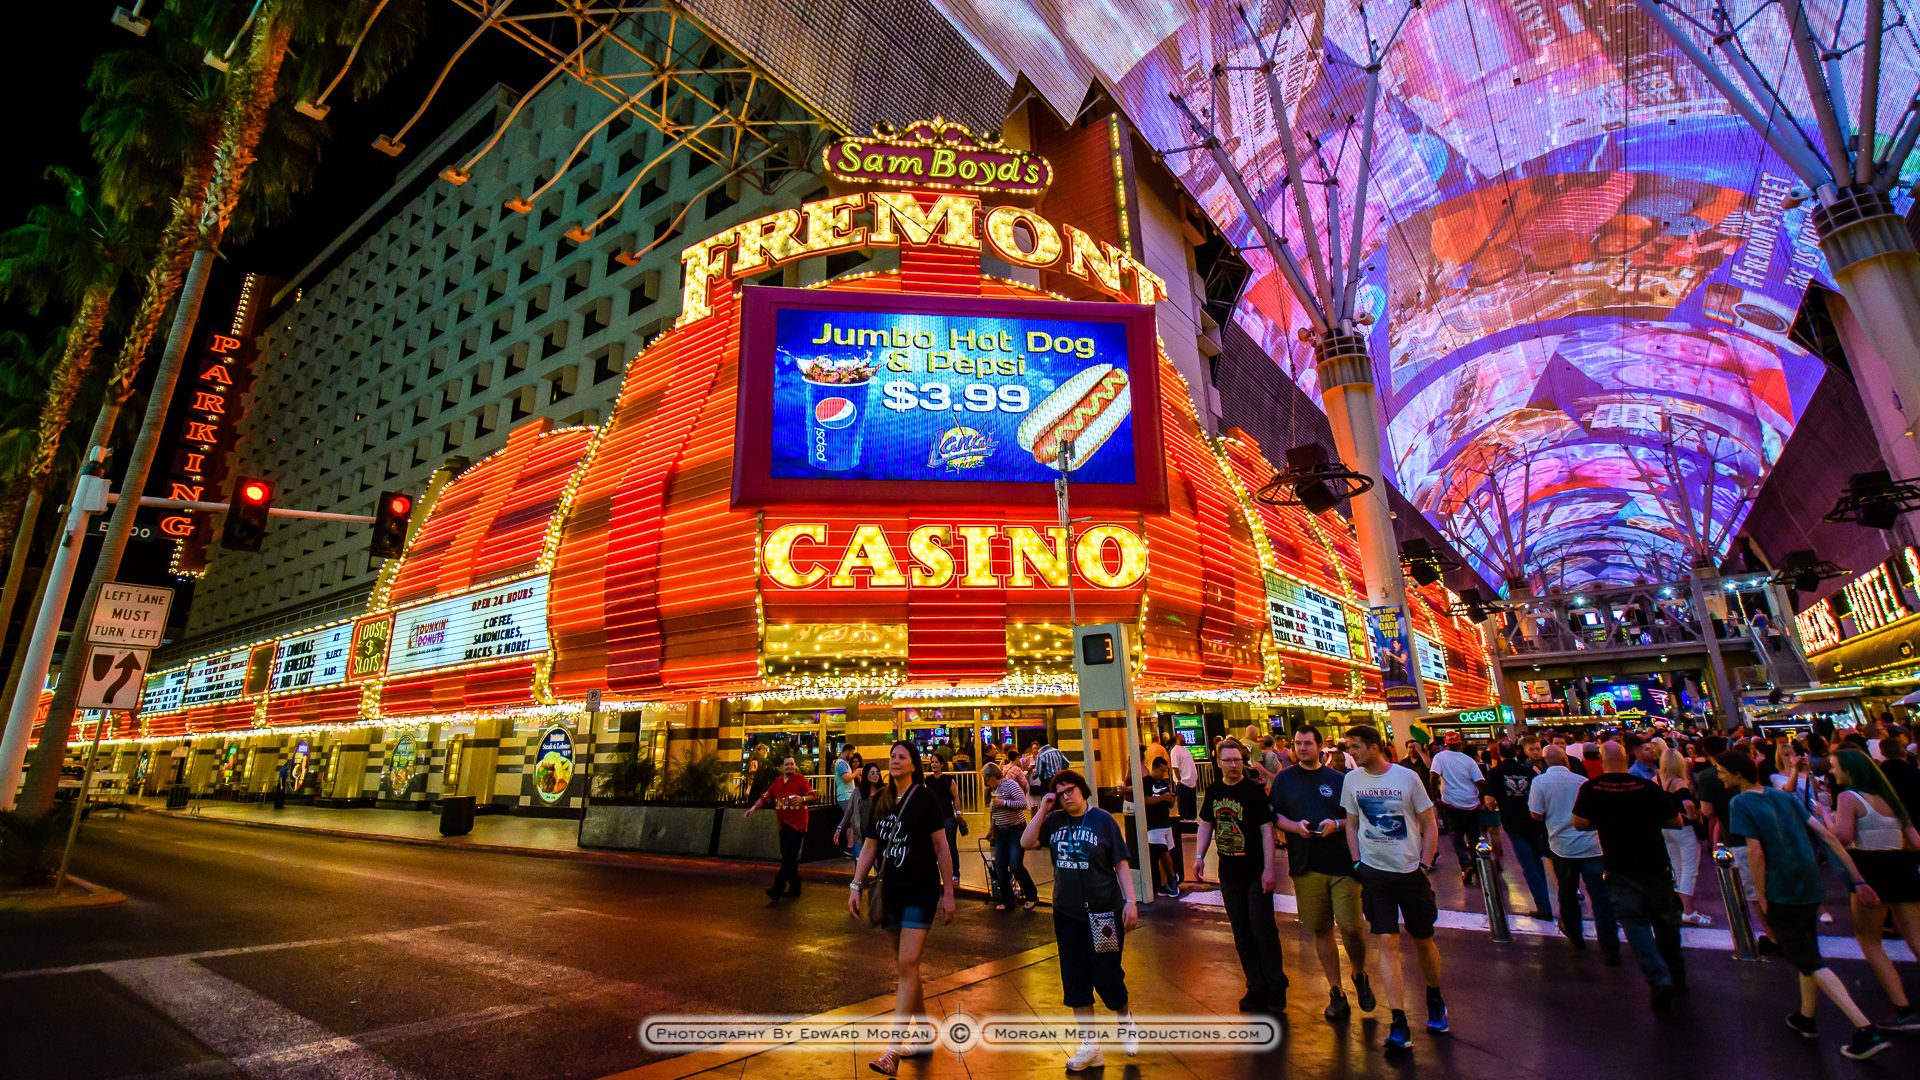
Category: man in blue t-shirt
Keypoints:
(1786, 878)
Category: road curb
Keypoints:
(95, 896)
(595, 855)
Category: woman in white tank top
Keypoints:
(1879, 834)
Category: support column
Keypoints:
(1346, 388)
(1725, 694)
(1878, 271)
(1507, 689)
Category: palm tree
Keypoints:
(70, 253)
(199, 220)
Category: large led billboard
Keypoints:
(893, 398)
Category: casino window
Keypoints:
(522, 400)
(561, 383)
(596, 317)
(609, 361)
(553, 340)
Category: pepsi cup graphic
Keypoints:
(837, 396)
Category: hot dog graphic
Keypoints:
(1085, 409)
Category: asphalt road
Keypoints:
(267, 953)
(258, 952)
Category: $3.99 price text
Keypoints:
(903, 396)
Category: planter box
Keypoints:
(757, 839)
(656, 827)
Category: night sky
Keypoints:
(46, 86)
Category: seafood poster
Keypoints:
(553, 764)
(876, 395)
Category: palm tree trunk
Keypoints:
(249, 95)
(22, 510)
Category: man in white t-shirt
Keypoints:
(1462, 792)
(1385, 805)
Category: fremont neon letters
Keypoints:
(813, 554)
(951, 220)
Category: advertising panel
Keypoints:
(401, 764)
(164, 691)
(1387, 623)
(1433, 658)
(886, 398)
(553, 764)
(312, 660)
(498, 622)
(1304, 618)
(210, 679)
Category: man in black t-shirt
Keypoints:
(1629, 813)
(1160, 839)
(1237, 817)
(1307, 812)
(1510, 783)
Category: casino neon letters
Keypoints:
(812, 554)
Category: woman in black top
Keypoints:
(907, 840)
(939, 783)
(1093, 905)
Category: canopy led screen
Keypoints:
(1581, 264)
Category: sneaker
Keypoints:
(1804, 1025)
(1903, 1020)
(1542, 915)
(1826, 916)
(773, 896)
(887, 1064)
(1764, 946)
(1399, 1036)
(1866, 1042)
(1337, 1008)
(1698, 918)
(1171, 892)
(1437, 1018)
(1253, 1003)
(1363, 990)
(1129, 1036)
(1087, 1057)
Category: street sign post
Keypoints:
(113, 679)
(130, 616)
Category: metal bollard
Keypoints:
(1734, 892)
(1493, 892)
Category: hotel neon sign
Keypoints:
(1014, 234)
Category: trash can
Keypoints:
(456, 814)
(177, 797)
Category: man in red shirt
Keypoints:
(790, 793)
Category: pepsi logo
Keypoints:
(835, 412)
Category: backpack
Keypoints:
(1049, 763)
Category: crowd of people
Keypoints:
(1623, 820)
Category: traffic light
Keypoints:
(246, 523)
(390, 520)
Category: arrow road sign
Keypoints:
(112, 679)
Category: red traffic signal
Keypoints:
(391, 518)
(246, 524)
